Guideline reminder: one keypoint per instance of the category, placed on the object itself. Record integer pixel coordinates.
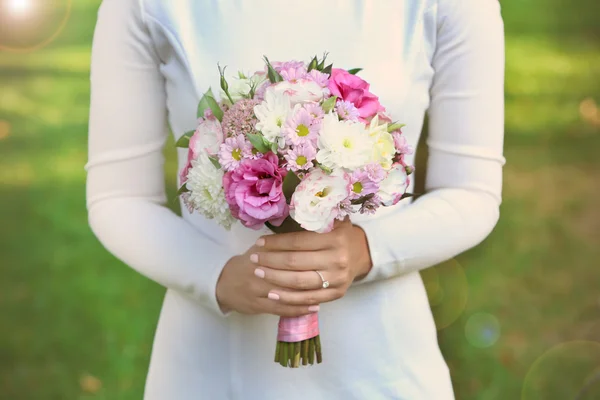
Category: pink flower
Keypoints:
(401, 143)
(319, 78)
(301, 127)
(254, 191)
(355, 90)
(207, 137)
(315, 110)
(279, 66)
(347, 111)
(362, 184)
(375, 172)
(233, 151)
(294, 74)
(371, 205)
(301, 157)
(240, 118)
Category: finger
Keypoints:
(295, 241)
(304, 297)
(269, 306)
(300, 280)
(296, 260)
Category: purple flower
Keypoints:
(345, 209)
(347, 111)
(371, 205)
(254, 192)
(318, 77)
(401, 143)
(315, 110)
(375, 172)
(233, 151)
(301, 157)
(301, 127)
(362, 184)
(240, 118)
(280, 66)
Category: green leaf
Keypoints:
(395, 126)
(327, 69)
(325, 169)
(208, 102)
(290, 182)
(354, 71)
(257, 141)
(273, 75)
(274, 147)
(322, 63)
(184, 140)
(183, 189)
(363, 199)
(329, 104)
(215, 162)
(314, 63)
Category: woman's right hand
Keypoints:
(238, 289)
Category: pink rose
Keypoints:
(351, 88)
(254, 192)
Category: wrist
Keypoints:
(221, 289)
(364, 263)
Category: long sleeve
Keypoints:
(125, 183)
(464, 168)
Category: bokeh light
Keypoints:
(447, 290)
(4, 129)
(567, 371)
(482, 330)
(28, 25)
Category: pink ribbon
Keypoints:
(297, 329)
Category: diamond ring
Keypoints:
(325, 283)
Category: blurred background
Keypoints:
(518, 317)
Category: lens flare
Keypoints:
(447, 291)
(19, 7)
(482, 330)
(569, 370)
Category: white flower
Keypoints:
(208, 137)
(315, 203)
(343, 144)
(239, 88)
(206, 194)
(393, 186)
(272, 114)
(301, 91)
(383, 143)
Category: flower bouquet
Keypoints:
(293, 147)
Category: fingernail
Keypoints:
(259, 272)
(273, 296)
(313, 308)
(254, 258)
(260, 242)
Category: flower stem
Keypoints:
(297, 348)
(311, 351)
(318, 349)
(305, 352)
(283, 357)
(277, 351)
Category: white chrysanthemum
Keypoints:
(343, 144)
(272, 114)
(383, 144)
(206, 194)
(302, 91)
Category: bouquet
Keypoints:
(293, 147)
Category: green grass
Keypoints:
(69, 310)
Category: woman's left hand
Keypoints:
(289, 260)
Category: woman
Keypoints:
(151, 61)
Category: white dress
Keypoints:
(152, 59)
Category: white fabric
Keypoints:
(152, 59)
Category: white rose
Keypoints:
(393, 186)
(302, 91)
(315, 203)
(343, 144)
(208, 137)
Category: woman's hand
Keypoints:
(289, 261)
(241, 290)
